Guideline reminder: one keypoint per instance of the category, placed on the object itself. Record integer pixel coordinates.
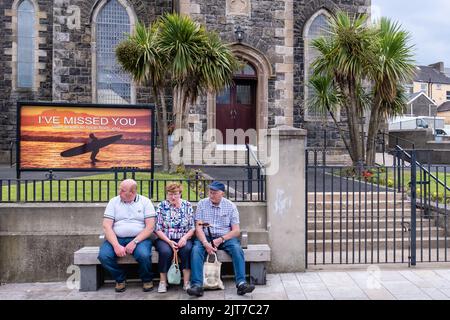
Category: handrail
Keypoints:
(252, 153)
(423, 168)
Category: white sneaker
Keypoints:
(186, 286)
(162, 288)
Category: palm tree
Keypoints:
(142, 58)
(198, 62)
(394, 67)
(345, 56)
(353, 58)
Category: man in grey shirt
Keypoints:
(128, 222)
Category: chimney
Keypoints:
(439, 66)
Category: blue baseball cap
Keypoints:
(216, 185)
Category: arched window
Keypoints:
(316, 27)
(113, 85)
(25, 44)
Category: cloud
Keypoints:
(428, 24)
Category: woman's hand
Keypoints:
(173, 245)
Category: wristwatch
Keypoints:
(223, 239)
(136, 241)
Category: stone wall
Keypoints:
(64, 71)
(304, 10)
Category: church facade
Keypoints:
(63, 51)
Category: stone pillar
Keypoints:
(286, 201)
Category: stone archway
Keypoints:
(264, 72)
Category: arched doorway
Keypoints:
(236, 105)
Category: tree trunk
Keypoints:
(159, 119)
(341, 132)
(373, 130)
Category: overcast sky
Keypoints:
(427, 21)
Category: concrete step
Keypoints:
(382, 244)
(338, 223)
(337, 213)
(337, 196)
(359, 205)
(258, 236)
(380, 233)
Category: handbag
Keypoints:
(211, 270)
(174, 273)
(211, 274)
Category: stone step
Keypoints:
(338, 223)
(359, 205)
(337, 196)
(382, 212)
(258, 236)
(382, 244)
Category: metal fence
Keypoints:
(394, 214)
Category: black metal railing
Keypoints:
(96, 190)
(255, 172)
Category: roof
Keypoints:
(416, 95)
(444, 107)
(427, 73)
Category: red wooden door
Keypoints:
(236, 108)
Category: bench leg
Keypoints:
(90, 278)
(258, 273)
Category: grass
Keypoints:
(96, 188)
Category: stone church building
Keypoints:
(63, 51)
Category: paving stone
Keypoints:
(435, 294)
(319, 295)
(401, 288)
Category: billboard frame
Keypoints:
(21, 104)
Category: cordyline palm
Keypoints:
(142, 58)
(345, 55)
(394, 66)
(198, 62)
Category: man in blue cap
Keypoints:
(223, 217)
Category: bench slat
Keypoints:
(253, 253)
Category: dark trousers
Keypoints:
(166, 255)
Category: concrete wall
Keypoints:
(37, 241)
(427, 150)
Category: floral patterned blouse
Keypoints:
(175, 222)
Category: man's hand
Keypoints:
(209, 248)
(120, 251)
(217, 242)
(130, 247)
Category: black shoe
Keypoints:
(195, 291)
(245, 288)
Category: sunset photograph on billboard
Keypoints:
(56, 136)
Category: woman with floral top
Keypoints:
(175, 228)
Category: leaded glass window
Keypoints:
(318, 27)
(113, 25)
(25, 44)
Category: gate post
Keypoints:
(286, 199)
(413, 206)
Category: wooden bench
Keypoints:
(91, 275)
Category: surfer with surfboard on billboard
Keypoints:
(93, 146)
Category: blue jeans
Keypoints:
(198, 255)
(142, 253)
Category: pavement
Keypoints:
(367, 283)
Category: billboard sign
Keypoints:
(84, 137)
